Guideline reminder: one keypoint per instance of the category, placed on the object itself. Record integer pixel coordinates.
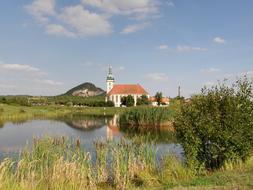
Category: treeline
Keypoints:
(15, 100)
(97, 101)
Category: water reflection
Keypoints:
(14, 136)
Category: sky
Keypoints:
(50, 46)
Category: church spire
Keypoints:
(110, 76)
(109, 80)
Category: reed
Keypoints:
(55, 163)
(147, 117)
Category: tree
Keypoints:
(159, 97)
(143, 100)
(110, 103)
(127, 101)
(217, 125)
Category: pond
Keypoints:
(15, 136)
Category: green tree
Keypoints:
(127, 101)
(123, 101)
(159, 97)
(217, 125)
(143, 100)
(109, 104)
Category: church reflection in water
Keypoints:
(91, 123)
(112, 128)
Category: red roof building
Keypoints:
(116, 91)
(126, 89)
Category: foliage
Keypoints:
(15, 100)
(127, 101)
(159, 97)
(143, 100)
(217, 125)
(179, 98)
(96, 101)
(146, 117)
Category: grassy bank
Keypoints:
(17, 113)
(147, 117)
(59, 164)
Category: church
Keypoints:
(116, 91)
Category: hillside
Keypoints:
(85, 90)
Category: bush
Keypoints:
(109, 104)
(143, 100)
(217, 125)
(127, 101)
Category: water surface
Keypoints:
(15, 136)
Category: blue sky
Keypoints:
(49, 46)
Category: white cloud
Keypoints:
(159, 77)
(134, 28)
(210, 70)
(41, 9)
(58, 30)
(140, 9)
(84, 22)
(7, 86)
(25, 79)
(185, 48)
(18, 67)
(181, 48)
(92, 17)
(219, 40)
(71, 21)
(49, 82)
(163, 47)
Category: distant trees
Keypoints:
(127, 101)
(159, 97)
(143, 100)
(96, 101)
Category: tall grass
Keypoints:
(146, 117)
(55, 163)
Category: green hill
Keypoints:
(85, 90)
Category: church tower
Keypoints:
(109, 81)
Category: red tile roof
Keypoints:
(127, 89)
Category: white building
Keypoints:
(116, 91)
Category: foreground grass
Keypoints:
(17, 113)
(55, 163)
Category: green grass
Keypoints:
(56, 163)
(17, 113)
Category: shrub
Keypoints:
(109, 104)
(217, 125)
(143, 100)
(127, 101)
